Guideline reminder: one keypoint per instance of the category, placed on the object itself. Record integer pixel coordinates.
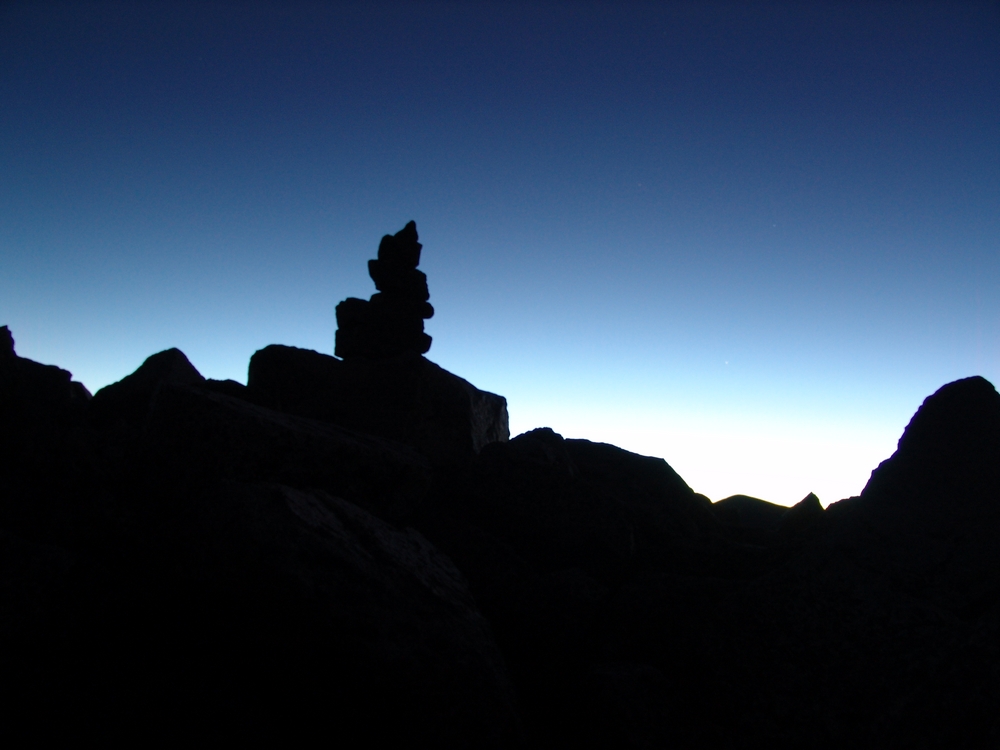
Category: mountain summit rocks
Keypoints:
(353, 547)
(382, 384)
(392, 321)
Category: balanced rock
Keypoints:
(392, 321)
(382, 384)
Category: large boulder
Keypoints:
(33, 391)
(557, 538)
(408, 399)
(931, 512)
(44, 451)
(129, 398)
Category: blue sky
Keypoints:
(748, 238)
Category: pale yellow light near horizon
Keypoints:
(780, 460)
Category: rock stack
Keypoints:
(392, 321)
(383, 384)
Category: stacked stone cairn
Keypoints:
(391, 323)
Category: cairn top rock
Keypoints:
(402, 248)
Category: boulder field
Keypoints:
(352, 549)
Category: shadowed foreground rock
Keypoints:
(185, 583)
(353, 548)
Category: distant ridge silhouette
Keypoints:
(353, 548)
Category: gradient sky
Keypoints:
(748, 239)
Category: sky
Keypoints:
(747, 238)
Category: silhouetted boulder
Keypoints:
(931, 512)
(130, 397)
(30, 388)
(748, 512)
(949, 454)
(44, 457)
(353, 547)
(407, 399)
(391, 323)
(306, 612)
(550, 533)
(892, 597)
(255, 610)
(217, 581)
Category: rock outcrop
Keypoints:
(352, 546)
(27, 387)
(408, 399)
(893, 597)
(129, 399)
(44, 457)
(211, 565)
(382, 384)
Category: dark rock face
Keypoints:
(391, 323)
(933, 508)
(350, 547)
(198, 435)
(743, 511)
(27, 387)
(43, 413)
(186, 559)
(562, 542)
(755, 521)
(130, 397)
(407, 399)
(894, 600)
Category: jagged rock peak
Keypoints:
(6, 343)
(391, 323)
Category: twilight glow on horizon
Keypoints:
(749, 239)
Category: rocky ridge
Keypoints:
(354, 547)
